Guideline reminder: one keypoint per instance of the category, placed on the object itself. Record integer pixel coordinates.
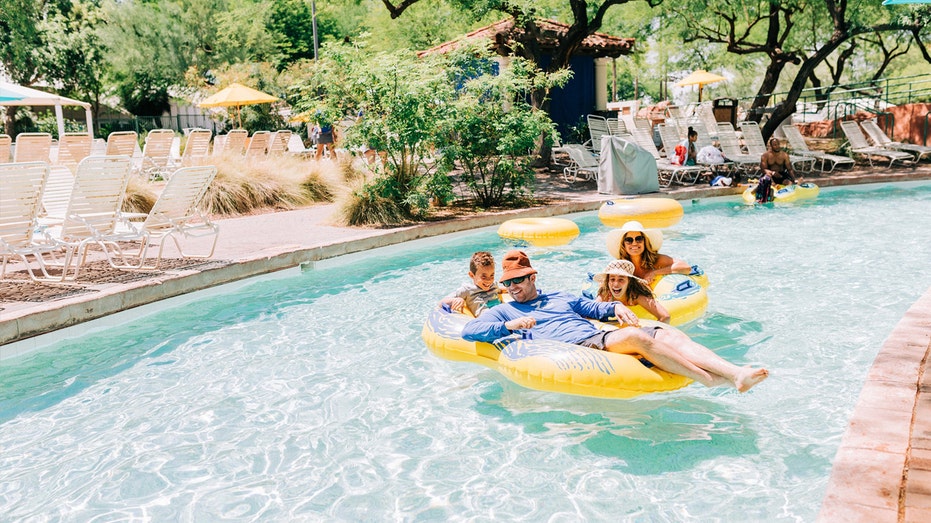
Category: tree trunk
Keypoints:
(785, 108)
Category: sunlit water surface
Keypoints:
(312, 397)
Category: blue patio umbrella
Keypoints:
(891, 2)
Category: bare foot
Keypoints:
(750, 377)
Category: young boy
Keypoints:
(479, 294)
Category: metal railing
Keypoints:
(839, 101)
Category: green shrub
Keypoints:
(493, 132)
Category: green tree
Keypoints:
(493, 130)
(802, 33)
(146, 50)
(291, 25)
(74, 55)
(21, 39)
(402, 98)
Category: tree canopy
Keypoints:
(140, 53)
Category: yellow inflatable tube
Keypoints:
(786, 193)
(540, 232)
(683, 295)
(653, 213)
(550, 365)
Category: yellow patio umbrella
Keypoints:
(237, 95)
(700, 78)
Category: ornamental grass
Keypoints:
(270, 184)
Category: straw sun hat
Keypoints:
(618, 268)
(616, 236)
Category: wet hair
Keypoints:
(635, 289)
(692, 132)
(649, 256)
(481, 259)
(774, 142)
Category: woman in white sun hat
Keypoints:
(641, 246)
(618, 283)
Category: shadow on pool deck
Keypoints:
(882, 471)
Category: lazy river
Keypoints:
(310, 395)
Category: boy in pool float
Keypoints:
(561, 316)
(480, 292)
(618, 283)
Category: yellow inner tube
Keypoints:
(540, 232)
(786, 193)
(550, 365)
(685, 297)
(653, 213)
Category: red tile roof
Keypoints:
(503, 32)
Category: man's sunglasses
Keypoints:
(631, 239)
(514, 281)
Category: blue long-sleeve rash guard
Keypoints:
(560, 316)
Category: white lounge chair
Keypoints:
(669, 172)
(859, 145)
(234, 142)
(197, 148)
(799, 146)
(880, 139)
(32, 147)
(705, 114)
(278, 143)
(122, 143)
(176, 214)
(582, 163)
(56, 196)
(93, 216)
(258, 145)
(753, 138)
(21, 188)
(6, 143)
(597, 127)
(617, 127)
(157, 160)
(670, 137)
(72, 148)
(730, 146)
(296, 146)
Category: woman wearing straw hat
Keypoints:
(641, 247)
(618, 283)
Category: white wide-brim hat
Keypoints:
(616, 236)
(618, 268)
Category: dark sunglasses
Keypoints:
(631, 239)
(514, 281)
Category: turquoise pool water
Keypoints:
(312, 397)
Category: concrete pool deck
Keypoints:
(882, 471)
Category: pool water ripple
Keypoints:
(313, 398)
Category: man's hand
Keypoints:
(625, 315)
(526, 322)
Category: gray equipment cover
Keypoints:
(625, 168)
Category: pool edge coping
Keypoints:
(882, 470)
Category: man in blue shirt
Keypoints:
(562, 317)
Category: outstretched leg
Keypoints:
(741, 378)
(663, 355)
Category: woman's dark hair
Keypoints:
(692, 132)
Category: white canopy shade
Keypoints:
(34, 97)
